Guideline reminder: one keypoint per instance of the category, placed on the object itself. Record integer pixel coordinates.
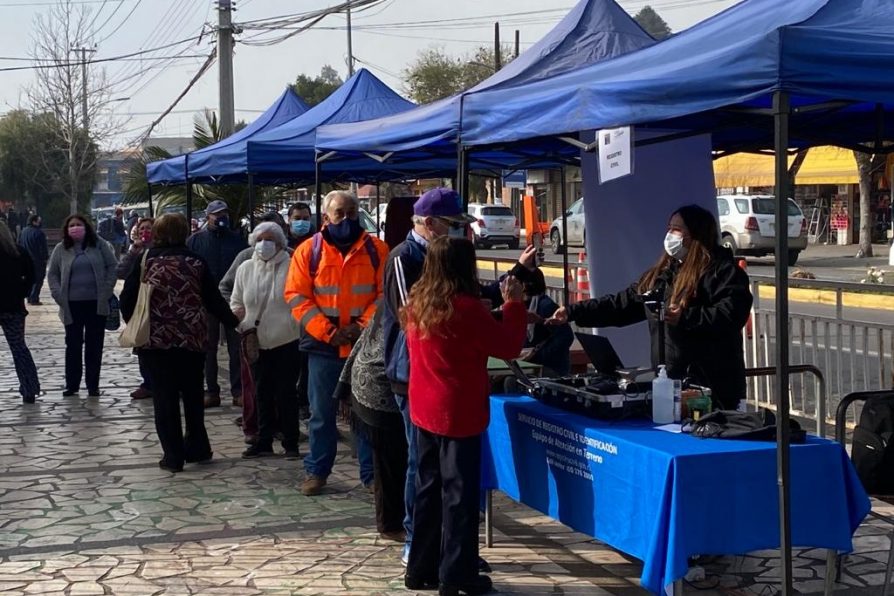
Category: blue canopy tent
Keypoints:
(764, 74)
(593, 30)
(227, 153)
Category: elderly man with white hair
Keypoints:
(258, 302)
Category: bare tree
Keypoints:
(75, 92)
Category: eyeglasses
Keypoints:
(452, 224)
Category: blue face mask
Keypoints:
(299, 227)
(345, 232)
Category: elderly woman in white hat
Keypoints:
(258, 302)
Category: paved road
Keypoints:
(84, 509)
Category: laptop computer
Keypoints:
(601, 353)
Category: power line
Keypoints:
(121, 24)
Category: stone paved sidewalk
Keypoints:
(84, 509)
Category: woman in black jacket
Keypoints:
(17, 278)
(707, 302)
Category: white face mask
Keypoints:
(673, 245)
(266, 249)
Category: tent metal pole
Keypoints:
(781, 113)
(318, 190)
(251, 201)
(378, 223)
(149, 189)
(563, 193)
(188, 191)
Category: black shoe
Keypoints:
(480, 585)
(69, 392)
(418, 583)
(257, 451)
(28, 399)
(483, 566)
(206, 459)
(93, 393)
(169, 467)
(291, 454)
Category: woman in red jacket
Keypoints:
(450, 335)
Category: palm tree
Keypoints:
(206, 132)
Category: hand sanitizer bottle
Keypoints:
(662, 398)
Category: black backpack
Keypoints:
(873, 451)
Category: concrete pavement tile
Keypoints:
(86, 589)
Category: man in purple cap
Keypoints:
(438, 212)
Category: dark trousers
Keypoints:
(40, 272)
(13, 324)
(177, 376)
(445, 520)
(87, 332)
(211, 368)
(390, 473)
(144, 372)
(276, 375)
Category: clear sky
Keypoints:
(385, 40)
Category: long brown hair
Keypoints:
(450, 269)
(89, 232)
(703, 240)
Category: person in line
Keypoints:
(34, 242)
(439, 212)
(142, 242)
(218, 245)
(374, 413)
(450, 335)
(5, 207)
(113, 230)
(707, 298)
(546, 345)
(301, 228)
(258, 302)
(18, 280)
(248, 421)
(334, 283)
(300, 224)
(184, 294)
(81, 277)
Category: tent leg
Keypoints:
(781, 112)
(188, 191)
(318, 190)
(563, 194)
(463, 176)
(251, 201)
(149, 189)
(378, 223)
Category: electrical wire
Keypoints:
(121, 24)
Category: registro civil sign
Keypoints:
(615, 153)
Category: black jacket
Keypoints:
(218, 247)
(34, 241)
(17, 279)
(706, 345)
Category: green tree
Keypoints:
(313, 90)
(34, 165)
(652, 22)
(435, 74)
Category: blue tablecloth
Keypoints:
(661, 496)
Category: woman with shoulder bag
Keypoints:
(183, 292)
(270, 338)
(81, 277)
(142, 241)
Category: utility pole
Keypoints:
(498, 60)
(225, 56)
(81, 54)
(350, 42)
(517, 42)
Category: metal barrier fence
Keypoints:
(848, 353)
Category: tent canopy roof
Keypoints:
(593, 30)
(228, 150)
(706, 78)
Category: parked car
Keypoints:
(577, 228)
(496, 224)
(747, 225)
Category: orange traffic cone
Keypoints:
(749, 329)
(583, 277)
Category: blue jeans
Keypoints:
(323, 373)
(412, 458)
